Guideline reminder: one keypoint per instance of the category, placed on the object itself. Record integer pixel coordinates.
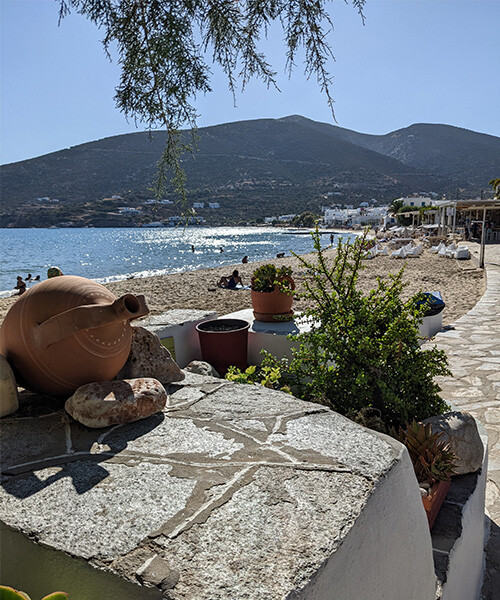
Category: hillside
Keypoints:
(465, 157)
(253, 168)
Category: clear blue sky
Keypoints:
(414, 61)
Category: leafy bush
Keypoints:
(266, 375)
(267, 277)
(362, 351)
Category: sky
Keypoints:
(414, 61)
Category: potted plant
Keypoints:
(433, 463)
(272, 293)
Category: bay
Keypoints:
(120, 253)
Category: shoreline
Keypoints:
(461, 286)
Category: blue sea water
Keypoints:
(112, 254)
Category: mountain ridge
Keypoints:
(263, 166)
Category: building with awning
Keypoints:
(478, 219)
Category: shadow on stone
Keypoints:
(83, 467)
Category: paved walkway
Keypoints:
(473, 349)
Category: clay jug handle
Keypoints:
(88, 316)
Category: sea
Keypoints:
(121, 253)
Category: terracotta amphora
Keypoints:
(68, 331)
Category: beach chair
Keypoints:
(450, 250)
(380, 251)
(461, 253)
(436, 249)
(401, 253)
(414, 252)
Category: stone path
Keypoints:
(473, 349)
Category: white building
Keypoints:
(213, 205)
(345, 217)
(417, 201)
(129, 210)
(286, 218)
(198, 205)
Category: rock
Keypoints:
(115, 402)
(157, 572)
(9, 400)
(460, 431)
(148, 358)
(201, 368)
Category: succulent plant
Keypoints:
(432, 460)
(267, 277)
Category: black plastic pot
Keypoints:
(434, 303)
(224, 342)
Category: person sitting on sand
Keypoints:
(244, 260)
(20, 285)
(230, 282)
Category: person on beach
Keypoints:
(192, 247)
(244, 260)
(37, 278)
(28, 277)
(331, 238)
(230, 282)
(20, 285)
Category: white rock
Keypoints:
(106, 403)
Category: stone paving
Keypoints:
(473, 349)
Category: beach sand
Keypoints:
(460, 284)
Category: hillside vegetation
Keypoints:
(252, 168)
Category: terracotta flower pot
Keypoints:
(434, 500)
(68, 331)
(273, 307)
(224, 342)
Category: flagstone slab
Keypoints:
(232, 491)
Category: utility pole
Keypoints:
(483, 240)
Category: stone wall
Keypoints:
(234, 491)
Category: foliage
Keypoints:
(306, 219)
(163, 49)
(394, 206)
(363, 350)
(432, 460)
(267, 277)
(8, 593)
(267, 375)
(495, 184)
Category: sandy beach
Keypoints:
(460, 283)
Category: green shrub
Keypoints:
(362, 350)
(266, 375)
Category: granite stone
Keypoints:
(459, 430)
(148, 358)
(227, 494)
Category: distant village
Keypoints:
(424, 209)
